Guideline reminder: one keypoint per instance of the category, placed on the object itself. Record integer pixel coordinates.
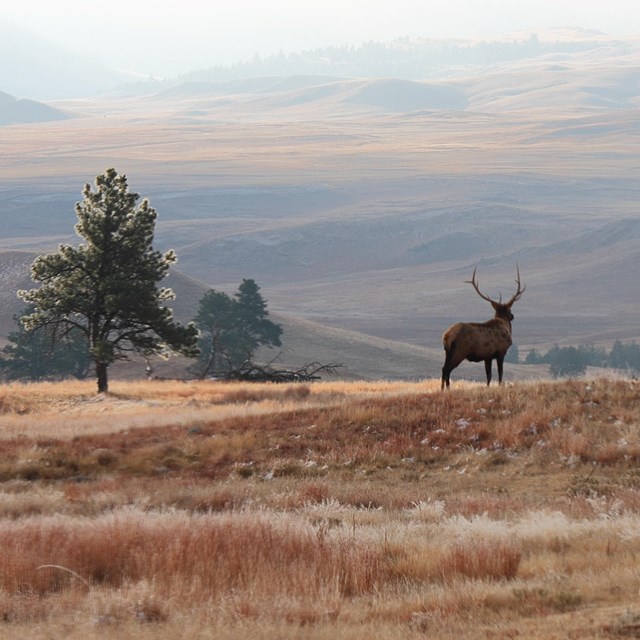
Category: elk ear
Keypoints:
(494, 304)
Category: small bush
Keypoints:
(480, 560)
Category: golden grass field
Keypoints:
(326, 510)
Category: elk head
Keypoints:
(502, 309)
(481, 341)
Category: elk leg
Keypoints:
(500, 361)
(446, 370)
(487, 369)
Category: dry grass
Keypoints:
(329, 510)
(74, 409)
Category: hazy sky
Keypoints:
(165, 37)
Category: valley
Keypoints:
(363, 205)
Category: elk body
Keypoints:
(480, 341)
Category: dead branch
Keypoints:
(251, 372)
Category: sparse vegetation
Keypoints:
(167, 509)
(37, 355)
(573, 361)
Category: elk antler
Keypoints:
(520, 291)
(474, 283)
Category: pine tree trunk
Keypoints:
(101, 374)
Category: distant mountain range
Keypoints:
(31, 67)
(410, 58)
(278, 94)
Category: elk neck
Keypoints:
(504, 315)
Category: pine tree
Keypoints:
(220, 340)
(41, 355)
(533, 357)
(624, 356)
(106, 287)
(257, 328)
(567, 361)
(233, 328)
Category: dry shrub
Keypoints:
(626, 626)
(494, 507)
(206, 501)
(343, 542)
(313, 493)
(240, 393)
(18, 504)
(364, 496)
(246, 394)
(297, 391)
(241, 608)
(20, 608)
(481, 560)
(629, 498)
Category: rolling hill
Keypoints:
(20, 111)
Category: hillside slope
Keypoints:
(20, 111)
(304, 342)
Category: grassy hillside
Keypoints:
(329, 510)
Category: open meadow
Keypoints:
(361, 204)
(324, 510)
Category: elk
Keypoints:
(477, 341)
